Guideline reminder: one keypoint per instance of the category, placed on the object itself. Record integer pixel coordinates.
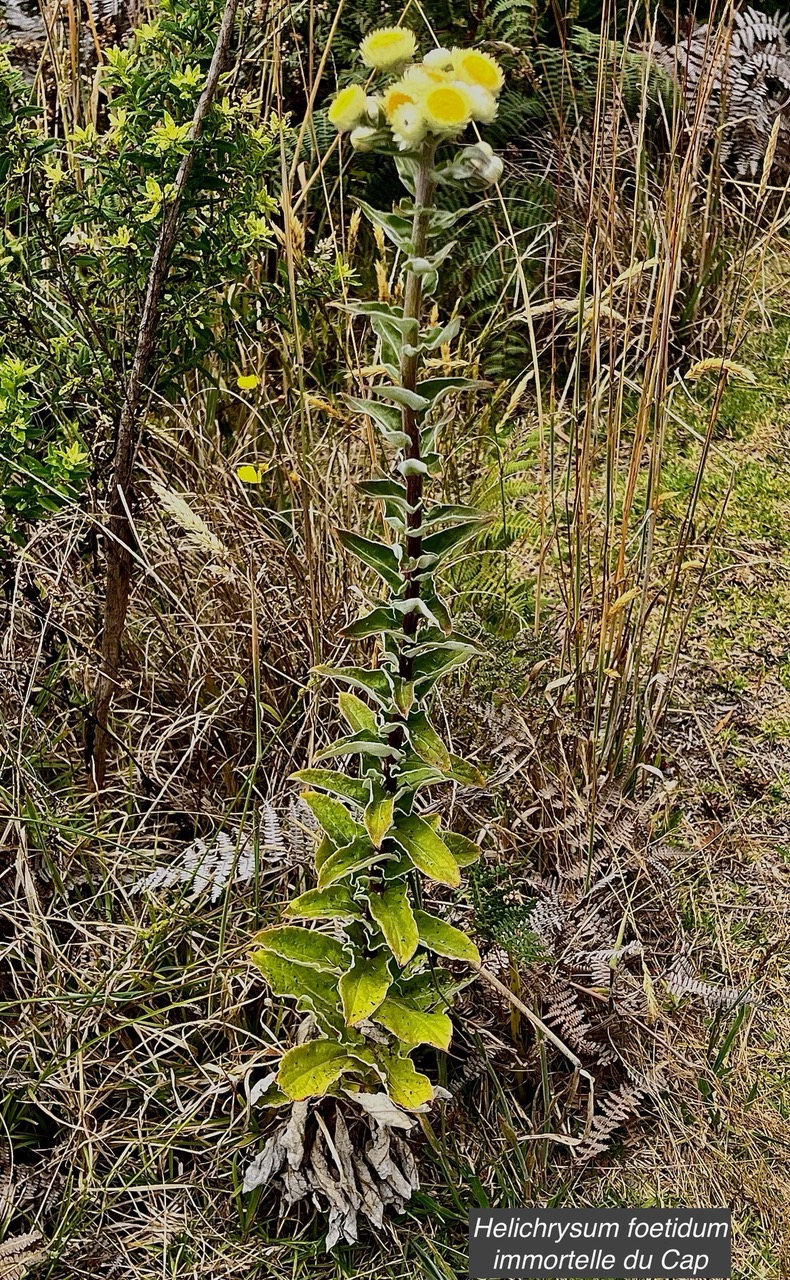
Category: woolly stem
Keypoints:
(424, 190)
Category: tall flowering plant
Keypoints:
(366, 959)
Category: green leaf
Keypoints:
(443, 543)
(372, 624)
(444, 513)
(389, 490)
(333, 780)
(386, 418)
(314, 992)
(434, 988)
(435, 337)
(323, 850)
(432, 663)
(308, 1070)
(364, 743)
(467, 774)
(426, 742)
(427, 850)
(304, 946)
(332, 815)
(361, 308)
(375, 683)
(407, 1086)
(403, 693)
(435, 389)
(437, 607)
(392, 330)
(397, 228)
(445, 939)
(364, 987)
(393, 914)
(344, 862)
(325, 904)
(378, 555)
(378, 816)
(413, 1026)
(401, 395)
(357, 713)
(464, 851)
(440, 221)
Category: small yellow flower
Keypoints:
(447, 107)
(348, 108)
(388, 47)
(438, 59)
(399, 94)
(420, 77)
(474, 67)
(408, 126)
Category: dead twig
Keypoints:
(118, 529)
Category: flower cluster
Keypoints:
(433, 99)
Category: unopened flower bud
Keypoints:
(480, 164)
(364, 138)
(374, 109)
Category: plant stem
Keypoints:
(119, 530)
(424, 189)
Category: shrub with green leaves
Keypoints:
(366, 962)
(34, 480)
(79, 221)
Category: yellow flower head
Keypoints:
(408, 126)
(388, 47)
(438, 59)
(474, 67)
(348, 108)
(484, 106)
(447, 107)
(399, 94)
(420, 77)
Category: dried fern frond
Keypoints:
(19, 1253)
(615, 1109)
(213, 864)
(681, 980)
(741, 86)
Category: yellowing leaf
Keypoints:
(357, 856)
(445, 939)
(325, 904)
(356, 712)
(364, 987)
(405, 1084)
(313, 991)
(310, 1069)
(378, 817)
(464, 850)
(427, 850)
(413, 1026)
(393, 914)
(426, 741)
(333, 816)
(303, 946)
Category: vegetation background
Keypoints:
(625, 291)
